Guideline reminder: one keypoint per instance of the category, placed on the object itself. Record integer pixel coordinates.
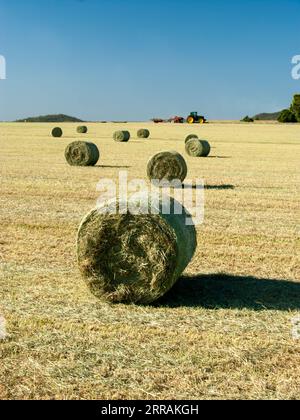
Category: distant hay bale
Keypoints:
(82, 129)
(57, 132)
(191, 136)
(197, 148)
(122, 136)
(167, 166)
(143, 133)
(80, 153)
(134, 258)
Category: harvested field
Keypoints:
(224, 331)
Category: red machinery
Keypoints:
(177, 120)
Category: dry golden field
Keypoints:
(224, 331)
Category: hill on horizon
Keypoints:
(265, 116)
(57, 118)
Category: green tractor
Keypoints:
(194, 118)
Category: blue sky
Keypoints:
(133, 60)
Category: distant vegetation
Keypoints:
(247, 119)
(267, 116)
(287, 116)
(59, 118)
(295, 107)
(291, 115)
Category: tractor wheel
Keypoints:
(190, 120)
(201, 121)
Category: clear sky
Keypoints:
(136, 59)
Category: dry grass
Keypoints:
(215, 335)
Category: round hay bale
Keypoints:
(197, 148)
(81, 153)
(57, 132)
(167, 166)
(191, 136)
(134, 258)
(143, 133)
(82, 129)
(122, 136)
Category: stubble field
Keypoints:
(224, 331)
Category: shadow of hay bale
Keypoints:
(210, 187)
(219, 187)
(219, 157)
(223, 291)
(112, 166)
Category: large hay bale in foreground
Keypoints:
(134, 258)
(167, 166)
(81, 153)
(197, 148)
(122, 136)
(143, 133)
(82, 129)
(57, 132)
(191, 136)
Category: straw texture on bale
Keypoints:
(191, 136)
(81, 153)
(197, 148)
(57, 132)
(143, 134)
(82, 129)
(134, 258)
(122, 136)
(2, 328)
(167, 166)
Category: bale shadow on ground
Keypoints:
(210, 187)
(219, 187)
(219, 157)
(112, 166)
(223, 291)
